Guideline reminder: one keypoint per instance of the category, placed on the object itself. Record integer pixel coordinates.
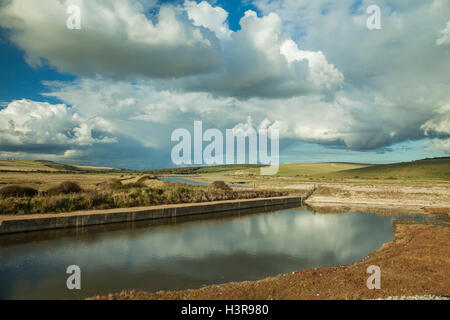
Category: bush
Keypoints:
(220, 185)
(95, 199)
(114, 184)
(66, 187)
(17, 192)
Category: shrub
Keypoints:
(141, 180)
(8, 207)
(17, 192)
(114, 184)
(220, 185)
(66, 187)
(95, 199)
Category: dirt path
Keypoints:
(416, 263)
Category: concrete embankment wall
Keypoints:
(15, 224)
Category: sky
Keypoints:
(112, 92)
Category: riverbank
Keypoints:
(70, 196)
(415, 263)
(421, 195)
(426, 199)
(36, 222)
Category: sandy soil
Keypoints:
(417, 263)
(425, 195)
(427, 199)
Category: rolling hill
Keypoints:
(48, 166)
(436, 168)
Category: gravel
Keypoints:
(425, 297)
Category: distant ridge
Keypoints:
(427, 168)
(50, 167)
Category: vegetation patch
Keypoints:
(17, 192)
(220, 185)
(66, 187)
(117, 195)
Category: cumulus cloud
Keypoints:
(444, 36)
(255, 65)
(212, 18)
(38, 126)
(151, 113)
(439, 123)
(396, 78)
(118, 40)
(312, 68)
(322, 73)
(442, 145)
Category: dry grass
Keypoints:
(220, 185)
(68, 196)
(17, 192)
(45, 181)
(66, 187)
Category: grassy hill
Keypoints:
(313, 169)
(202, 170)
(48, 166)
(438, 168)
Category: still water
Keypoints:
(193, 182)
(180, 254)
(183, 180)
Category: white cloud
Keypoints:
(444, 36)
(25, 124)
(396, 78)
(118, 40)
(254, 65)
(321, 72)
(213, 18)
(442, 145)
(439, 123)
(364, 122)
(311, 68)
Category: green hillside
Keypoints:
(315, 169)
(438, 168)
(47, 166)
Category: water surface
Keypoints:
(193, 182)
(184, 255)
(183, 180)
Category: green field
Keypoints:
(312, 169)
(438, 168)
(48, 166)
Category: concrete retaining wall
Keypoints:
(15, 224)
